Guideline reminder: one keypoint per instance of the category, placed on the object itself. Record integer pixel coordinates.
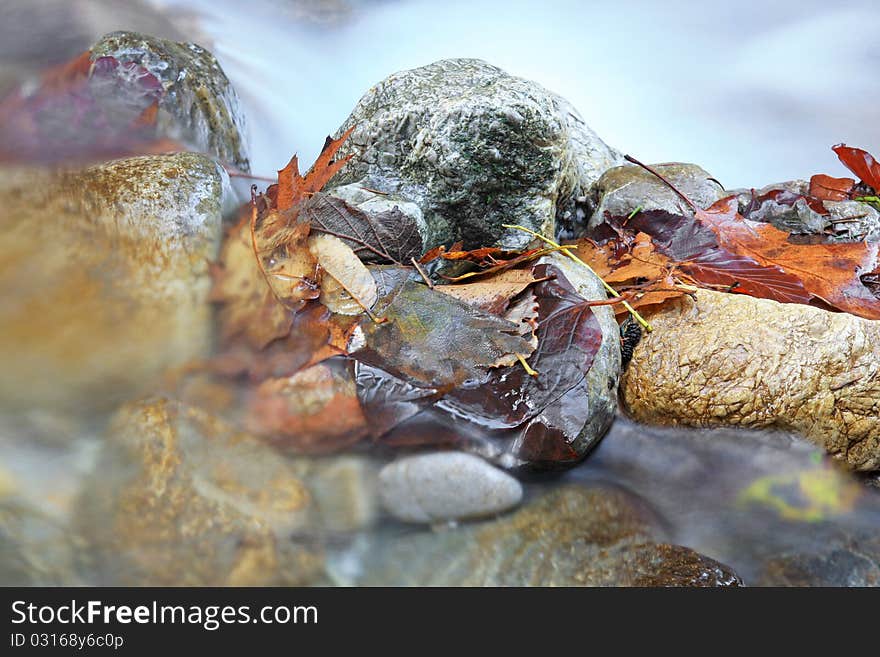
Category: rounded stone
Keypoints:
(445, 486)
(105, 280)
(475, 148)
(179, 498)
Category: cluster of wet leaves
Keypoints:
(342, 329)
(656, 256)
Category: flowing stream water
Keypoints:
(754, 92)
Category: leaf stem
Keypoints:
(526, 366)
(632, 311)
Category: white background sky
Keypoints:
(756, 92)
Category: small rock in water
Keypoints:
(572, 536)
(731, 359)
(624, 189)
(35, 550)
(106, 280)
(446, 486)
(179, 498)
(199, 106)
(475, 148)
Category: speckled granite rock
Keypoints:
(199, 107)
(730, 359)
(475, 148)
(180, 499)
(105, 278)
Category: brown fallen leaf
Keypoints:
(491, 294)
(314, 412)
(347, 287)
(292, 188)
(719, 247)
(831, 189)
(247, 307)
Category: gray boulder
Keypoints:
(199, 108)
(475, 148)
(623, 189)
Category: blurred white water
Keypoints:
(756, 92)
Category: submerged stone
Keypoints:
(573, 536)
(105, 280)
(179, 498)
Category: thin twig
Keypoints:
(641, 320)
(427, 280)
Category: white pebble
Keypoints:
(446, 486)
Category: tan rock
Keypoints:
(728, 359)
(104, 276)
(180, 498)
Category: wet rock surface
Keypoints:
(573, 536)
(623, 189)
(444, 486)
(844, 221)
(475, 148)
(35, 550)
(58, 30)
(729, 359)
(180, 498)
(105, 278)
(199, 107)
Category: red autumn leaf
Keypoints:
(830, 272)
(831, 189)
(785, 197)
(293, 188)
(861, 163)
(759, 258)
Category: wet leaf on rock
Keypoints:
(347, 287)
(504, 413)
(431, 338)
(384, 237)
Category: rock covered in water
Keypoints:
(35, 550)
(180, 499)
(106, 278)
(345, 491)
(727, 359)
(58, 30)
(573, 536)
(474, 148)
(623, 189)
(852, 565)
(199, 106)
(446, 486)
